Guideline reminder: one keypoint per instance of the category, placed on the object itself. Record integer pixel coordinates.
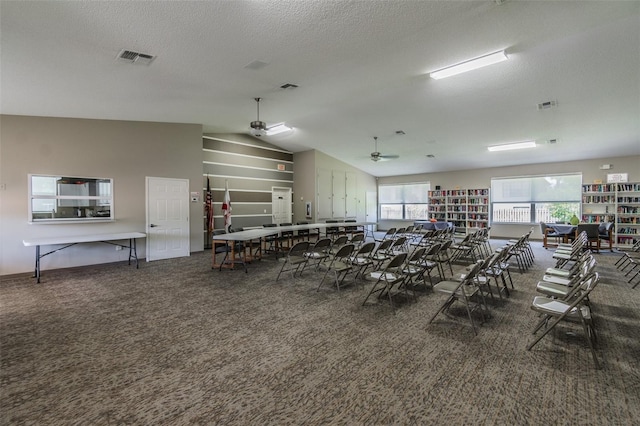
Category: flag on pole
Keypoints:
(226, 207)
(208, 207)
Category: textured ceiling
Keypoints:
(361, 68)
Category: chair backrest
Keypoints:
(390, 233)
(321, 244)
(396, 261)
(366, 249)
(357, 238)
(605, 229)
(340, 241)
(543, 227)
(299, 248)
(417, 254)
(384, 245)
(269, 225)
(399, 242)
(591, 230)
(344, 251)
(433, 251)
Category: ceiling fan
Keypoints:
(259, 128)
(377, 156)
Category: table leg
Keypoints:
(37, 264)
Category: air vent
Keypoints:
(400, 132)
(552, 141)
(547, 105)
(135, 57)
(430, 156)
(289, 86)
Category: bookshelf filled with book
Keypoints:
(467, 209)
(614, 202)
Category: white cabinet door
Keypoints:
(339, 193)
(324, 197)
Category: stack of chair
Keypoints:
(565, 291)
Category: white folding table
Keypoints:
(71, 240)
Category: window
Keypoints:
(536, 199)
(404, 201)
(65, 199)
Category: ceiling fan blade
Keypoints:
(376, 156)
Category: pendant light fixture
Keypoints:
(258, 128)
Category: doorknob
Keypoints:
(152, 226)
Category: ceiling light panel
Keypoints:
(511, 146)
(472, 64)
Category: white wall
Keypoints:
(126, 151)
(481, 178)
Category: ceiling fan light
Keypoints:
(472, 64)
(276, 129)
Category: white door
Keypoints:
(167, 218)
(371, 206)
(281, 205)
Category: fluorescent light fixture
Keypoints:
(276, 129)
(471, 64)
(515, 145)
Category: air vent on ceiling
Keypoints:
(552, 141)
(135, 57)
(289, 86)
(400, 132)
(547, 105)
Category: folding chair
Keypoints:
(573, 310)
(413, 268)
(463, 290)
(387, 278)
(294, 259)
(337, 244)
(317, 254)
(339, 265)
(430, 262)
(381, 254)
(387, 235)
(357, 239)
(361, 259)
(444, 257)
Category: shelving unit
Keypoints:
(614, 202)
(438, 205)
(465, 208)
(628, 214)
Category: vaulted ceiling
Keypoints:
(361, 68)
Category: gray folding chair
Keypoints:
(294, 259)
(463, 290)
(339, 265)
(387, 278)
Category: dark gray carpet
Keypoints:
(178, 343)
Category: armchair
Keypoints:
(592, 234)
(605, 231)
